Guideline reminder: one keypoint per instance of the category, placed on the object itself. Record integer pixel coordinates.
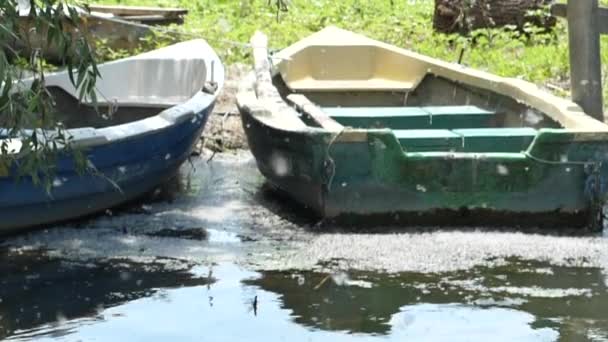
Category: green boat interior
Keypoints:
(437, 116)
(336, 79)
(443, 128)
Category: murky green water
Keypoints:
(226, 262)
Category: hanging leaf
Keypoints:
(27, 109)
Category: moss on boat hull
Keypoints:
(354, 128)
(377, 180)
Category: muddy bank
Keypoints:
(224, 131)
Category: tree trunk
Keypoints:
(463, 16)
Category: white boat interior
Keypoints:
(138, 87)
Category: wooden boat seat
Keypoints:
(507, 139)
(428, 140)
(475, 140)
(435, 117)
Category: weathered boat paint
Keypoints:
(557, 178)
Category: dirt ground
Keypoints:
(224, 130)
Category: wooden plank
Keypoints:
(585, 58)
(261, 66)
(153, 19)
(302, 103)
(268, 96)
(139, 10)
(561, 10)
(148, 17)
(447, 117)
(117, 34)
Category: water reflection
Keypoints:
(513, 301)
(455, 322)
(341, 308)
(518, 294)
(36, 290)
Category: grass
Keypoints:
(537, 56)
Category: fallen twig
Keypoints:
(318, 286)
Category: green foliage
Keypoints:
(31, 138)
(535, 55)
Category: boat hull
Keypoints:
(126, 169)
(373, 180)
(359, 130)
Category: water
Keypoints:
(521, 300)
(227, 260)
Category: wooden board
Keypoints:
(116, 34)
(144, 15)
(126, 11)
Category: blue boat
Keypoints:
(155, 107)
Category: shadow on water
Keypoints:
(283, 206)
(36, 290)
(567, 300)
